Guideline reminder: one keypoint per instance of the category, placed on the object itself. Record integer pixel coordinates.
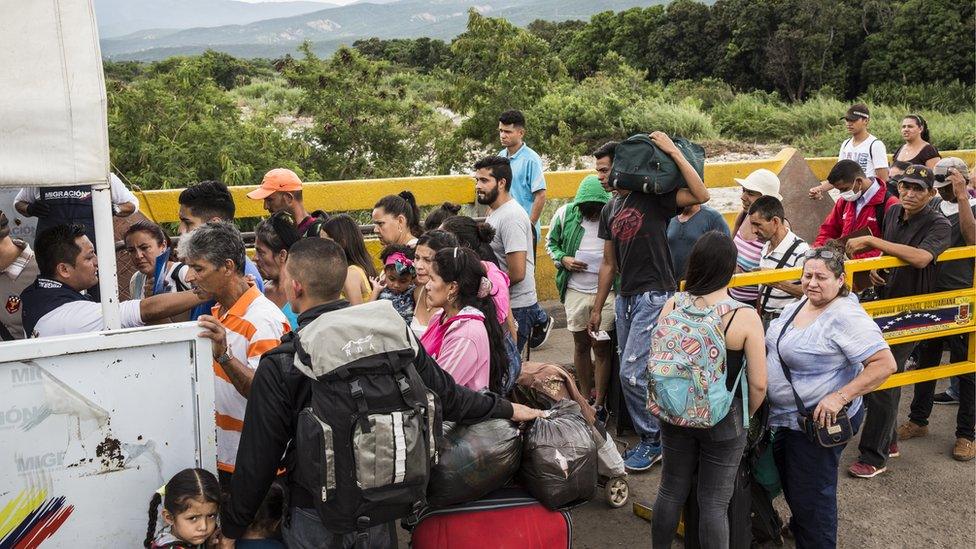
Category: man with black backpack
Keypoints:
(350, 405)
(864, 201)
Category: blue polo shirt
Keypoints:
(527, 177)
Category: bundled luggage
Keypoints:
(559, 458)
(510, 518)
(638, 165)
(473, 461)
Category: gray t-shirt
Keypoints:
(513, 233)
(682, 235)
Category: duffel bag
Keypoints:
(638, 165)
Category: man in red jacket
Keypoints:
(863, 203)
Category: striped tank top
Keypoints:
(748, 261)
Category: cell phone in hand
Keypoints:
(602, 335)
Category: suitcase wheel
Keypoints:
(617, 491)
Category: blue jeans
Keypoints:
(636, 318)
(304, 530)
(808, 473)
(527, 318)
(514, 362)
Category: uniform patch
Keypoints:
(13, 304)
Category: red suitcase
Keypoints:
(505, 519)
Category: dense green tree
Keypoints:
(175, 127)
(807, 50)
(681, 47)
(497, 66)
(557, 34)
(362, 125)
(424, 54)
(926, 41)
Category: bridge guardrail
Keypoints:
(350, 195)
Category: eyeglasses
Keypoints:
(819, 253)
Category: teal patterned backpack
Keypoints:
(686, 369)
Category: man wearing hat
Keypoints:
(281, 191)
(867, 150)
(951, 180)
(759, 183)
(916, 234)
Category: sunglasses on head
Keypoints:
(819, 254)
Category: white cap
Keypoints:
(942, 168)
(762, 181)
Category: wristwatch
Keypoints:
(116, 210)
(224, 359)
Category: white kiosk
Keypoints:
(90, 425)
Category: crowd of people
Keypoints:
(466, 291)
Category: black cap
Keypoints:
(856, 112)
(922, 175)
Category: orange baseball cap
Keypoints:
(278, 179)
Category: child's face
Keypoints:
(398, 284)
(196, 524)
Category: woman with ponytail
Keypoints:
(478, 235)
(396, 219)
(190, 503)
(917, 148)
(465, 337)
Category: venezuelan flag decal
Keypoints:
(30, 518)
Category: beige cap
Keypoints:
(762, 181)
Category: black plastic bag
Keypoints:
(473, 461)
(559, 458)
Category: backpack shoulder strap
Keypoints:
(879, 209)
(768, 290)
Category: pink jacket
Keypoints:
(462, 349)
(499, 289)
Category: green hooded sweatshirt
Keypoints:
(566, 231)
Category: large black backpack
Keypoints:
(638, 165)
(366, 442)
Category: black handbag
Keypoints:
(840, 432)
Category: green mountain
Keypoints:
(121, 17)
(329, 28)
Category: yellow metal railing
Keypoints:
(964, 300)
(349, 195)
(341, 196)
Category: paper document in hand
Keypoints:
(592, 260)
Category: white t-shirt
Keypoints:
(79, 317)
(591, 245)
(870, 154)
(120, 194)
(778, 299)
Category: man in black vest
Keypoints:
(66, 205)
(56, 303)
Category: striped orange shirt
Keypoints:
(254, 326)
